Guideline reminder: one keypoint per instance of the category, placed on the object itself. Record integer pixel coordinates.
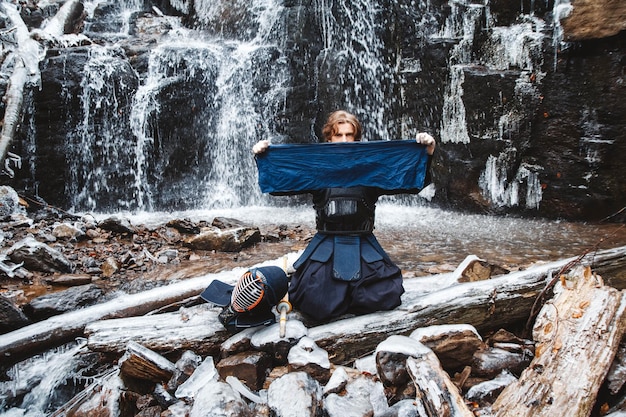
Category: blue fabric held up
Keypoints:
(388, 165)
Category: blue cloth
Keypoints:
(388, 165)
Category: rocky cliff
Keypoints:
(143, 108)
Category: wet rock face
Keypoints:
(595, 19)
(524, 124)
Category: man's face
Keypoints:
(345, 133)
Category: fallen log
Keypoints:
(486, 305)
(436, 395)
(26, 58)
(60, 23)
(56, 330)
(577, 336)
(139, 362)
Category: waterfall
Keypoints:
(354, 50)
(160, 108)
(512, 48)
(100, 135)
(223, 94)
(46, 381)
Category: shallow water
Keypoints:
(426, 240)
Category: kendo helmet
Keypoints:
(249, 303)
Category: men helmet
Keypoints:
(249, 303)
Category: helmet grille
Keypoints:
(248, 292)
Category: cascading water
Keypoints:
(353, 49)
(181, 136)
(100, 137)
(518, 48)
(226, 93)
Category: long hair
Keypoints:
(339, 117)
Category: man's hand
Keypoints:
(261, 146)
(426, 140)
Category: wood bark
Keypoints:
(14, 96)
(577, 336)
(142, 363)
(26, 57)
(436, 395)
(486, 305)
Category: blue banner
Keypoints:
(389, 165)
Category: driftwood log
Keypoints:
(436, 395)
(26, 52)
(577, 334)
(26, 57)
(142, 363)
(57, 330)
(486, 305)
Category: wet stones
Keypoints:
(49, 305)
(249, 367)
(38, 256)
(11, 317)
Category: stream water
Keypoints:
(423, 239)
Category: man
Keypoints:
(344, 269)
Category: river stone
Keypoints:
(38, 256)
(67, 231)
(229, 240)
(63, 301)
(304, 398)
(249, 367)
(11, 317)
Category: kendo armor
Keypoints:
(345, 211)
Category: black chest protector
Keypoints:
(345, 210)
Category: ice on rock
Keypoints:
(306, 352)
(304, 394)
(402, 344)
(204, 374)
(363, 397)
(490, 389)
(337, 381)
(294, 330)
(218, 399)
(366, 364)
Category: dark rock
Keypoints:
(117, 225)
(228, 223)
(492, 361)
(249, 367)
(38, 256)
(11, 317)
(454, 345)
(184, 226)
(63, 301)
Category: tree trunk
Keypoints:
(26, 57)
(436, 395)
(26, 51)
(577, 336)
(486, 305)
